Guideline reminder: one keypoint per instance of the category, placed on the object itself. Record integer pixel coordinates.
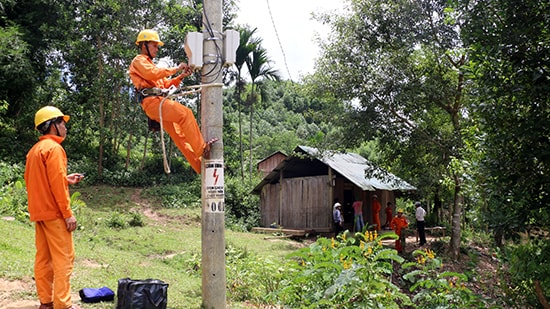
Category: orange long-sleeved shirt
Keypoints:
(398, 223)
(46, 179)
(145, 74)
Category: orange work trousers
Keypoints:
(376, 221)
(53, 264)
(180, 123)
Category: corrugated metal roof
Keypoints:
(359, 170)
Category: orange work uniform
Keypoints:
(376, 213)
(49, 205)
(397, 224)
(389, 214)
(177, 119)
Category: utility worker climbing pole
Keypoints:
(152, 84)
(49, 208)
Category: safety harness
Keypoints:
(169, 93)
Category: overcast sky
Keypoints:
(295, 28)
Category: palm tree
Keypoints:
(247, 44)
(258, 64)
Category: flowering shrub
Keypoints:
(435, 289)
(346, 272)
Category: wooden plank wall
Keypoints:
(305, 203)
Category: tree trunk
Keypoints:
(454, 248)
(540, 295)
(101, 103)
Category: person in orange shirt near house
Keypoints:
(398, 223)
(49, 208)
(376, 212)
(151, 82)
(389, 215)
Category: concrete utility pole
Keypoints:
(213, 198)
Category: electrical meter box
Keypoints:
(230, 44)
(193, 49)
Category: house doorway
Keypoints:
(348, 209)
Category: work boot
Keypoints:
(46, 306)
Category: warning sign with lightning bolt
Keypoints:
(214, 186)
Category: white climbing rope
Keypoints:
(173, 92)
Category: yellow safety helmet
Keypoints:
(400, 210)
(48, 113)
(148, 35)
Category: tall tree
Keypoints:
(402, 61)
(510, 57)
(247, 44)
(259, 68)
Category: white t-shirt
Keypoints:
(420, 213)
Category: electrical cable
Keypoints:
(213, 73)
(278, 39)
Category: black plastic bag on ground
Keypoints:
(142, 294)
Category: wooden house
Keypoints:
(298, 192)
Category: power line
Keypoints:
(278, 40)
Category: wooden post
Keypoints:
(213, 198)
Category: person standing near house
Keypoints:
(358, 215)
(420, 223)
(49, 208)
(337, 217)
(389, 215)
(398, 224)
(376, 212)
(151, 81)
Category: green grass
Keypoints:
(167, 247)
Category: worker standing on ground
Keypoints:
(420, 223)
(376, 212)
(49, 207)
(358, 213)
(337, 217)
(177, 119)
(398, 224)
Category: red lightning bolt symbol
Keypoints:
(216, 176)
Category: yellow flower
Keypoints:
(347, 263)
(333, 243)
(430, 253)
(375, 234)
(421, 259)
(362, 245)
(369, 250)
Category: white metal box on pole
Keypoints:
(193, 49)
(230, 45)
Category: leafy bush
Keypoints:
(136, 219)
(529, 262)
(242, 208)
(13, 201)
(116, 221)
(250, 277)
(342, 273)
(186, 195)
(438, 290)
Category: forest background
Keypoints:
(452, 96)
